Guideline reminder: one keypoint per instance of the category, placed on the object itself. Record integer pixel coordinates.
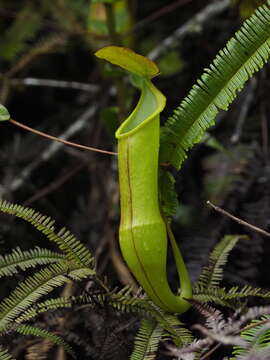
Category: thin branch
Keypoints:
(29, 81)
(239, 221)
(75, 127)
(70, 143)
(190, 26)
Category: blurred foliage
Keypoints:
(246, 7)
(171, 63)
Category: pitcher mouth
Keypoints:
(150, 104)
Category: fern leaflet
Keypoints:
(25, 259)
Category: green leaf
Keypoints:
(129, 60)
(4, 114)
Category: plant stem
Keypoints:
(239, 221)
(70, 143)
(185, 283)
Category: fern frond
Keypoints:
(44, 306)
(26, 259)
(257, 338)
(214, 317)
(35, 331)
(228, 298)
(42, 283)
(4, 354)
(124, 302)
(121, 301)
(212, 274)
(147, 340)
(243, 55)
(66, 241)
(236, 292)
(173, 327)
(214, 295)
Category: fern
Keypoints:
(33, 288)
(44, 306)
(243, 55)
(124, 302)
(4, 354)
(257, 338)
(172, 326)
(212, 274)
(228, 298)
(147, 340)
(35, 331)
(26, 259)
(74, 250)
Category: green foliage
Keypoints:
(246, 7)
(74, 264)
(147, 340)
(4, 354)
(72, 248)
(23, 303)
(42, 283)
(35, 331)
(44, 306)
(170, 64)
(213, 273)
(167, 195)
(4, 114)
(207, 287)
(228, 297)
(23, 29)
(243, 55)
(257, 341)
(23, 260)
